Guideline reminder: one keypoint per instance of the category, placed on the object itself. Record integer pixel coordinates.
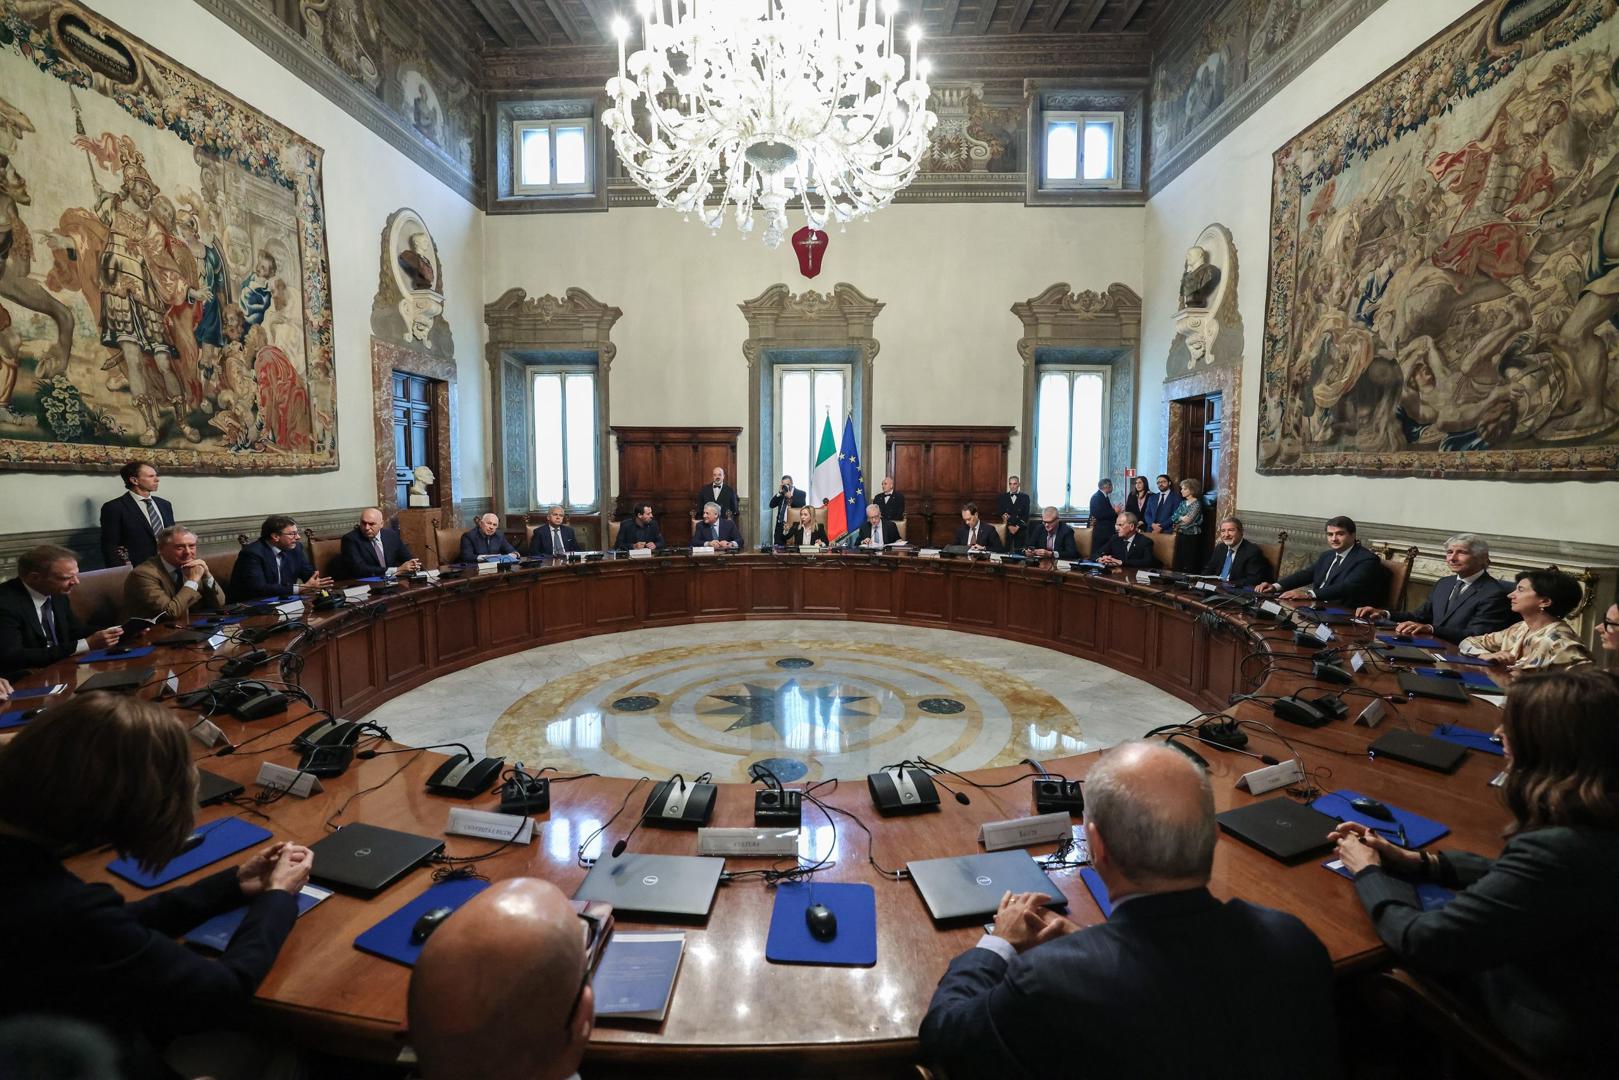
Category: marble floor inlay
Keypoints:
(809, 701)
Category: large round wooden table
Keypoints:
(732, 1009)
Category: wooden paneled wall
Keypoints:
(666, 466)
(938, 469)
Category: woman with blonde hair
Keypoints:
(1188, 527)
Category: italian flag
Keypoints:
(826, 484)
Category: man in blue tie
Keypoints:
(1159, 514)
(275, 564)
(712, 531)
(1236, 560)
(1465, 604)
(37, 627)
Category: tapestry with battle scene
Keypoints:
(163, 272)
(1444, 279)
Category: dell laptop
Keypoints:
(654, 884)
(366, 859)
(1414, 749)
(972, 885)
(1444, 689)
(1280, 827)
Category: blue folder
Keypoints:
(228, 620)
(1098, 889)
(1459, 658)
(855, 943)
(1472, 679)
(1468, 737)
(21, 693)
(220, 839)
(100, 655)
(216, 933)
(1430, 895)
(15, 718)
(1418, 829)
(390, 938)
(1418, 642)
(267, 601)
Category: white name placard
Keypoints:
(704, 550)
(280, 778)
(357, 592)
(488, 825)
(928, 553)
(1021, 832)
(640, 553)
(207, 732)
(745, 841)
(292, 609)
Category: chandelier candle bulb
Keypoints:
(916, 35)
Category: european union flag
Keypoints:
(854, 478)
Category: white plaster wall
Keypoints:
(365, 180)
(1231, 184)
(948, 275)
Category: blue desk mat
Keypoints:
(1430, 895)
(855, 943)
(220, 839)
(1418, 829)
(205, 624)
(22, 694)
(1475, 679)
(1098, 890)
(99, 655)
(16, 717)
(216, 933)
(390, 938)
(1417, 642)
(1468, 737)
(267, 601)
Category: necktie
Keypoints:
(713, 532)
(278, 578)
(1230, 557)
(47, 621)
(376, 545)
(556, 540)
(877, 536)
(178, 579)
(1336, 562)
(153, 516)
(1129, 546)
(972, 536)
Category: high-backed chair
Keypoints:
(612, 533)
(1460, 1031)
(899, 527)
(1273, 553)
(1000, 529)
(448, 544)
(326, 555)
(223, 563)
(1163, 546)
(98, 599)
(1083, 541)
(1397, 572)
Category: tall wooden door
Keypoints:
(1202, 451)
(415, 433)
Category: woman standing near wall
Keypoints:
(1189, 527)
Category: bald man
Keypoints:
(371, 549)
(500, 989)
(1254, 985)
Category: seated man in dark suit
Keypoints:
(641, 531)
(130, 523)
(1236, 560)
(37, 626)
(275, 564)
(553, 539)
(714, 531)
(1149, 821)
(1103, 516)
(1050, 538)
(784, 502)
(373, 550)
(1012, 507)
(1466, 604)
(975, 534)
(876, 531)
(720, 493)
(1345, 574)
(1128, 547)
(891, 502)
(484, 538)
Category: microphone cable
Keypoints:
(579, 855)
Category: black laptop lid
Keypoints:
(123, 679)
(368, 858)
(1428, 686)
(1280, 827)
(212, 788)
(1414, 749)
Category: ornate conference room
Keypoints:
(870, 538)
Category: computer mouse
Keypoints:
(1371, 808)
(823, 925)
(117, 650)
(1403, 637)
(191, 842)
(429, 922)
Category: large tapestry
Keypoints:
(163, 272)
(1445, 261)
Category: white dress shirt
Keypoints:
(40, 600)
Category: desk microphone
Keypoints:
(368, 753)
(618, 848)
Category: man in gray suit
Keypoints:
(1467, 603)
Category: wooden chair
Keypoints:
(1163, 546)
(326, 555)
(223, 564)
(612, 533)
(1273, 553)
(447, 542)
(899, 527)
(1000, 530)
(1463, 1035)
(1084, 540)
(98, 599)
(1397, 572)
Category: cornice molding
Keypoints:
(1257, 90)
(277, 41)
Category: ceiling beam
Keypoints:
(951, 8)
(602, 17)
(1089, 15)
(527, 17)
(495, 24)
(1020, 15)
(564, 20)
(1126, 14)
(986, 14)
(1059, 8)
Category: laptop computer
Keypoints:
(654, 884)
(1280, 827)
(966, 886)
(1428, 686)
(213, 788)
(366, 859)
(124, 679)
(1409, 653)
(1414, 749)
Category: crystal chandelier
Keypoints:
(770, 100)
